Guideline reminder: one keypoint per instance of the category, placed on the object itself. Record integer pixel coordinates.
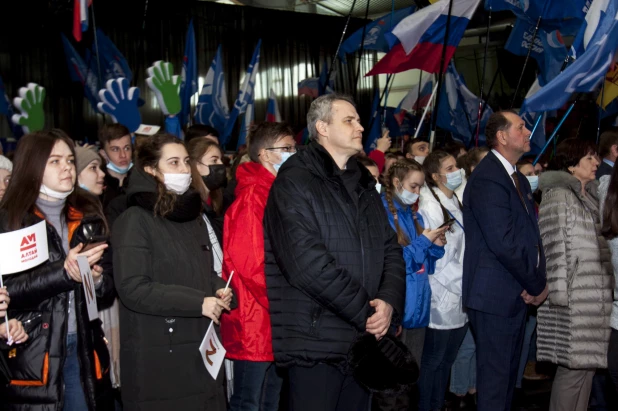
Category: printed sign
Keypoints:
(23, 249)
(212, 351)
(88, 283)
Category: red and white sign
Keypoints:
(212, 351)
(23, 249)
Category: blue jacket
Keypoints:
(420, 253)
(504, 253)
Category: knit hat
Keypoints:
(5, 164)
(83, 157)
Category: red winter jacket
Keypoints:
(246, 331)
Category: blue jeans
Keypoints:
(463, 373)
(74, 398)
(256, 386)
(525, 349)
(439, 353)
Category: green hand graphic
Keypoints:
(30, 103)
(166, 86)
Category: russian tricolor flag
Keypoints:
(272, 113)
(80, 18)
(418, 40)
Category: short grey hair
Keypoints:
(321, 109)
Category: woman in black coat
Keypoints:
(168, 290)
(64, 365)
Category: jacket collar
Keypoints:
(562, 179)
(253, 174)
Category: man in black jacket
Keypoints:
(334, 269)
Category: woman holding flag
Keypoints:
(65, 364)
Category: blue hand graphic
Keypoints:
(120, 102)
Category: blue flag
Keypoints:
(375, 121)
(82, 73)
(245, 125)
(548, 49)
(587, 72)
(374, 33)
(538, 139)
(595, 25)
(113, 63)
(188, 87)
(458, 109)
(554, 14)
(212, 108)
(245, 94)
(6, 108)
(325, 87)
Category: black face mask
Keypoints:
(217, 177)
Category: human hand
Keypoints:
(4, 301)
(433, 235)
(384, 142)
(538, 300)
(30, 103)
(225, 295)
(93, 255)
(212, 307)
(166, 86)
(379, 322)
(120, 101)
(16, 331)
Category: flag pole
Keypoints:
(530, 46)
(481, 105)
(600, 110)
(9, 340)
(553, 135)
(360, 53)
(420, 123)
(388, 79)
(441, 69)
(345, 28)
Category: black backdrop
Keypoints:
(31, 51)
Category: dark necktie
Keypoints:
(521, 197)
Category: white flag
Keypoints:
(88, 283)
(212, 351)
(23, 249)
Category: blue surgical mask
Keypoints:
(453, 180)
(117, 169)
(534, 182)
(82, 186)
(284, 158)
(407, 197)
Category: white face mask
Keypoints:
(53, 193)
(453, 180)
(178, 183)
(284, 158)
(420, 159)
(407, 197)
(379, 187)
(534, 182)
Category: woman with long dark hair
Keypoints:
(65, 364)
(165, 280)
(608, 198)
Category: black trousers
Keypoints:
(612, 357)
(323, 387)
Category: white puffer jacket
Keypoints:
(446, 302)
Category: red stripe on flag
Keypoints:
(425, 56)
(77, 24)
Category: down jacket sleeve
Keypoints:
(133, 273)
(303, 258)
(553, 222)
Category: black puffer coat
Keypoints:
(163, 271)
(42, 296)
(328, 253)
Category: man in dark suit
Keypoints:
(504, 264)
(608, 151)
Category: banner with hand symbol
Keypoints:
(120, 101)
(166, 86)
(30, 104)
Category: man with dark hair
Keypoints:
(608, 151)
(334, 269)
(203, 131)
(117, 150)
(417, 149)
(504, 264)
(246, 331)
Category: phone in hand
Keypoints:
(448, 223)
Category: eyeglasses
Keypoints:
(285, 149)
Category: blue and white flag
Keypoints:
(374, 33)
(247, 121)
(588, 71)
(245, 94)
(188, 86)
(595, 25)
(6, 108)
(458, 109)
(554, 14)
(82, 73)
(538, 139)
(375, 123)
(212, 107)
(113, 63)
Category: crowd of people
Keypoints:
(358, 281)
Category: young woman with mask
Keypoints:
(90, 176)
(246, 331)
(422, 247)
(447, 323)
(65, 364)
(165, 281)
